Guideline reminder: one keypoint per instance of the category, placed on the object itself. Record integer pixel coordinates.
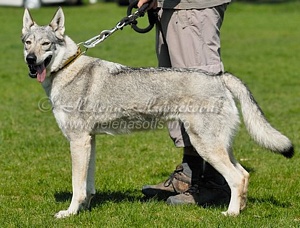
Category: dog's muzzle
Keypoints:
(31, 62)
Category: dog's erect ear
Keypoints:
(58, 23)
(27, 22)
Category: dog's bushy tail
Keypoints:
(259, 128)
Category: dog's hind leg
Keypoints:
(245, 190)
(246, 176)
(83, 168)
(212, 150)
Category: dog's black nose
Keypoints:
(31, 59)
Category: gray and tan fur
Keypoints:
(92, 96)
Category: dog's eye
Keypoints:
(27, 42)
(45, 43)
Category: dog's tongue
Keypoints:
(41, 73)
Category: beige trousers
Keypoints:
(192, 41)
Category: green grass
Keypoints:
(260, 44)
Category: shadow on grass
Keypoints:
(269, 200)
(102, 197)
(118, 197)
(135, 196)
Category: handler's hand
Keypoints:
(153, 4)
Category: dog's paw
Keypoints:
(230, 213)
(64, 214)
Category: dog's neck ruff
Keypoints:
(70, 60)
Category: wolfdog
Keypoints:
(91, 96)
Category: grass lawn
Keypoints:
(260, 44)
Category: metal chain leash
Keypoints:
(130, 19)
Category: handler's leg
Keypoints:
(192, 41)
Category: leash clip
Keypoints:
(99, 38)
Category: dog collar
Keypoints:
(70, 60)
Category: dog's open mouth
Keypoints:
(39, 71)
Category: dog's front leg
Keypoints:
(83, 169)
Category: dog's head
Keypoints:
(41, 44)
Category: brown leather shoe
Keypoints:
(177, 183)
(206, 194)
